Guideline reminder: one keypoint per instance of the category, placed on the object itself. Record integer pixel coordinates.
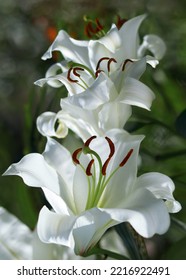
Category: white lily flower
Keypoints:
(108, 54)
(100, 191)
(103, 106)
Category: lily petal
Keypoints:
(136, 93)
(147, 216)
(55, 228)
(46, 125)
(120, 114)
(70, 48)
(154, 44)
(35, 172)
(101, 91)
(162, 187)
(15, 238)
(129, 36)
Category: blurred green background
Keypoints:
(27, 29)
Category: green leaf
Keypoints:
(181, 124)
(177, 251)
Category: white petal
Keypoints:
(89, 228)
(123, 181)
(70, 48)
(60, 159)
(100, 92)
(154, 44)
(129, 36)
(83, 128)
(136, 93)
(162, 187)
(55, 228)
(35, 172)
(51, 73)
(120, 114)
(104, 47)
(147, 214)
(83, 122)
(45, 251)
(46, 125)
(15, 238)
(81, 187)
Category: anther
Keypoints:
(75, 155)
(125, 62)
(68, 76)
(126, 158)
(97, 72)
(88, 169)
(99, 25)
(120, 22)
(109, 62)
(99, 62)
(111, 145)
(87, 143)
(112, 151)
(75, 69)
(94, 30)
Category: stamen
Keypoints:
(75, 69)
(112, 151)
(88, 169)
(90, 30)
(75, 154)
(109, 62)
(99, 25)
(87, 143)
(124, 161)
(99, 62)
(120, 22)
(125, 62)
(68, 76)
(97, 72)
(111, 145)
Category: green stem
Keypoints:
(133, 242)
(106, 253)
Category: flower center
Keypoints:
(93, 28)
(97, 175)
(75, 72)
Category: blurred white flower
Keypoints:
(108, 53)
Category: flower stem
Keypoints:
(133, 241)
(106, 253)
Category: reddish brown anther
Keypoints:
(88, 169)
(112, 151)
(109, 62)
(120, 22)
(125, 62)
(98, 72)
(75, 69)
(126, 158)
(99, 62)
(99, 25)
(90, 30)
(111, 145)
(87, 143)
(75, 155)
(68, 76)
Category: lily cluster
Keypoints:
(97, 186)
